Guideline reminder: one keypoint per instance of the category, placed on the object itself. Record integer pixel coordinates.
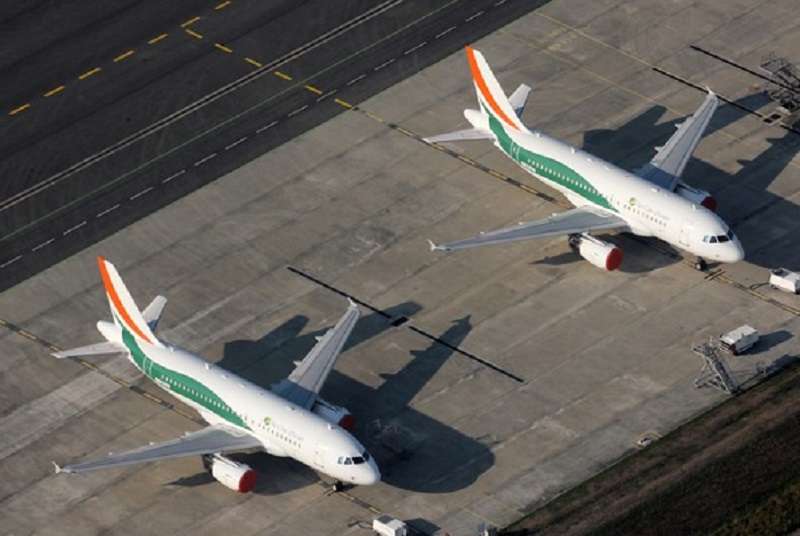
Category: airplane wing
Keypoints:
(306, 380)
(667, 166)
(576, 220)
(209, 440)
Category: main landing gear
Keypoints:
(700, 264)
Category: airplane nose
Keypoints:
(735, 252)
(372, 475)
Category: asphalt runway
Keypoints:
(212, 88)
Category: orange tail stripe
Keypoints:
(112, 294)
(478, 78)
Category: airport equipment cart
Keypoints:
(389, 526)
(739, 340)
(783, 279)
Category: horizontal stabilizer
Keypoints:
(461, 135)
(519, 98)
(152, 313)
(98, 348)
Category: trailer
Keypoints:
(739, 340)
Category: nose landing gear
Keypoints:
(700, 264)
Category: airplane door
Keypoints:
(685, 236)
(319, 457)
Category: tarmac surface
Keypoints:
(551, 370)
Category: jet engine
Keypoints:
(699, 197)
(334, 414)
(601, 254)
(231, 474)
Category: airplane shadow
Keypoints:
(633, 144)
(413, 451)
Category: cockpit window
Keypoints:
(355, 460)
(723, 238)
(713, 240)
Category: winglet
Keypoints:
(437, 247)
(352, 303)
(57, 467)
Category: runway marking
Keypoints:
(313, 89)
(222, 5)
(265, 127)
(346, 104)
(474, 16)
(223, 48)
(43, 244)
(412, 49)
(12, 261)
(205, 159)
(189, 22)
(74, 228)
(124, 56)
(140, 194)
(499, 3)
(326, 95)
(54, 91)
(445, 32)
(234, 144)
(173, 176)
(90, 72)
(384, 64)
(356, 79)
(297, 111)
(282, 75)
(253, 62)
(19, 109)
(106, 211)
(193, 33)
(157, 38)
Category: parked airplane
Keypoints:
(288, 420)
(654, 201)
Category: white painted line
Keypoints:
(500, 3)
(74, 227)
(326, 95)
(106, 211)
(12, 261)
(265, 127)
(140, 194)
(173, 176)
(474, 16)
(234, 144)
(43, 244)
(356, 79)
(445, 32)
(205, 159)
(295, 112)
(384, 64)
(412, 49)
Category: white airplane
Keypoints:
(654, 201)
(288, 420)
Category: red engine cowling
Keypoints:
(700, 197)
(334, 414)
(598, 253)
(231, 474)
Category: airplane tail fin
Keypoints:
(493, 101)
(124, 310)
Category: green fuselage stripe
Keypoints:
(181, 384)
(550, 169)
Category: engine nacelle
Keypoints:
(699, 197)
(334, 414)
(231, 474)
(598, 253)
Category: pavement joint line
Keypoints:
(251, 61)
(55, 91)
(408, 324)
(157, 38)
(356, 79)
(90, 72)
(74, 228)
(474, 16)
(205, 159)
(445, 32)
(173, 176)
(283, 75)
(385, 64)
(193, 33)
(415, 48)
(141, 193)
(124, 56)
(267, 126)
(297, 111)
(313, 89)
(43, 244)
(19, 109)
(11, 261)
(237, 142)
(106, 211)
(223, 48)
(222, 5)
(189, 22)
